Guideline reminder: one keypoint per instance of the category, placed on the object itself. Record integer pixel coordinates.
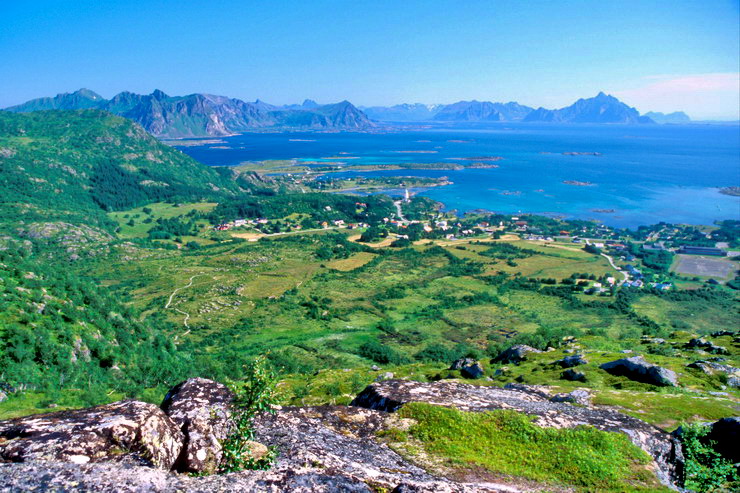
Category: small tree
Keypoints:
(255, 394)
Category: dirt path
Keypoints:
(257, 236)
(172, 296)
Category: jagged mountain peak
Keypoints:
(159, 94)
(199, 114)
(602, 108)
(87, 93)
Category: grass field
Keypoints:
(706, 267)
(158, 210)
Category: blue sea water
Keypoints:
(645, 173)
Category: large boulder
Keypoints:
(515, 354)
(721, 333)
(201, 409)
(726, 436)
(712, 367)
(636, 368)
(123, 429)
(472, 371)
(579, 396)
(391, 395)
(571, 361)
(709, 346)
(469, 368)
(573, 375)
(461, 363)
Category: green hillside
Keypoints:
(75, 165)
(59, 331)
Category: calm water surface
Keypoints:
(645, 174)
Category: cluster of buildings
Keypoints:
(238, 223)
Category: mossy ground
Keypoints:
(506, 444)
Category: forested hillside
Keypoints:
(75, 165)
(59, 331)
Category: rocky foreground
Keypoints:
(134, 446)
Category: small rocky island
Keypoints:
(732, 191)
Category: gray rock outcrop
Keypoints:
(461, 363)
(573, 375)
(469, 368)
(578, 396)
(323, 448)
(391, 395)
(571, 361)
(709, 346)
(472, 371)
(104, 433)
(638, 369)
(200, 408)
(712, 367)
(726, 435)
(515, 354)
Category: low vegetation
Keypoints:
(506, 443)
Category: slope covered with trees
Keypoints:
(75, 165)
(59, 331)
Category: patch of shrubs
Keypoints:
(375, 351)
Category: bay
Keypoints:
(641, 174)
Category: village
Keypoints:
(649, 257)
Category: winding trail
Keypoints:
(172, 296)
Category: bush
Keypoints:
(705, 469)
(435, 352)
(255, 394)
(375, 351)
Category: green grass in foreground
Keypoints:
(506, 443)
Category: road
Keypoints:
(614, 266)
(397, 203)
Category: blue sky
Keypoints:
(655, 55)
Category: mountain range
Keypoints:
(199, 115)
(600, 109)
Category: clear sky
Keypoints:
(654, 54)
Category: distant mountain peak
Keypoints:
(159, 94)
(87, 93)
(675, 117)
(602, 108)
